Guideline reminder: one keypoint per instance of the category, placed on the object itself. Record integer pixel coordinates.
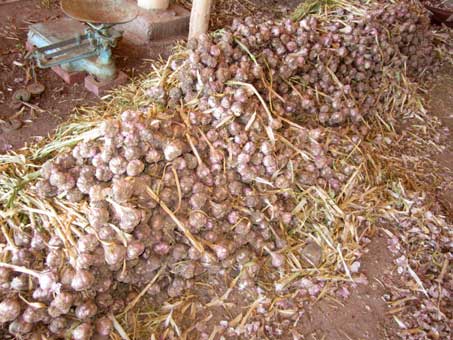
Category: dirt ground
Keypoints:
(441, 103)
(364, 315)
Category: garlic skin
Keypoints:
(87, 243)
(104, 326)
(9, 310)
(63, 302)
(135, 168)
(114, 254)
(118, 165)
(34, 315)
(134, 250)
(83, 332)
(20, 327)
(98, 217)
(45, 190)
(86, 310)
(173, 150)
(82, 280)
(122, 190)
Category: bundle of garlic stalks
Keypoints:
(223, 12)
(220, 194)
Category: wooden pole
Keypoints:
(199, 17)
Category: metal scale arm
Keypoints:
(97, 41)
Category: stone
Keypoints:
(312, 254)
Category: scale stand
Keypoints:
(83, 42)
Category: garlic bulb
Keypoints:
(173, 150)
(86, 310)
(114, 253)
(118, 165)
(82, 332)
(82, 280)
(87, 243)
(9, 309)
(135, 167)
(122, 190)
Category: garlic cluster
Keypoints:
(329, 70)
(268, 107)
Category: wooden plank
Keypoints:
(199, 17)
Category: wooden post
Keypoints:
(199, 17)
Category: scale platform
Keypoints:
(44, 34)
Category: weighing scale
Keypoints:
(84, 41)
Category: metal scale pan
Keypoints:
(110, 12)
